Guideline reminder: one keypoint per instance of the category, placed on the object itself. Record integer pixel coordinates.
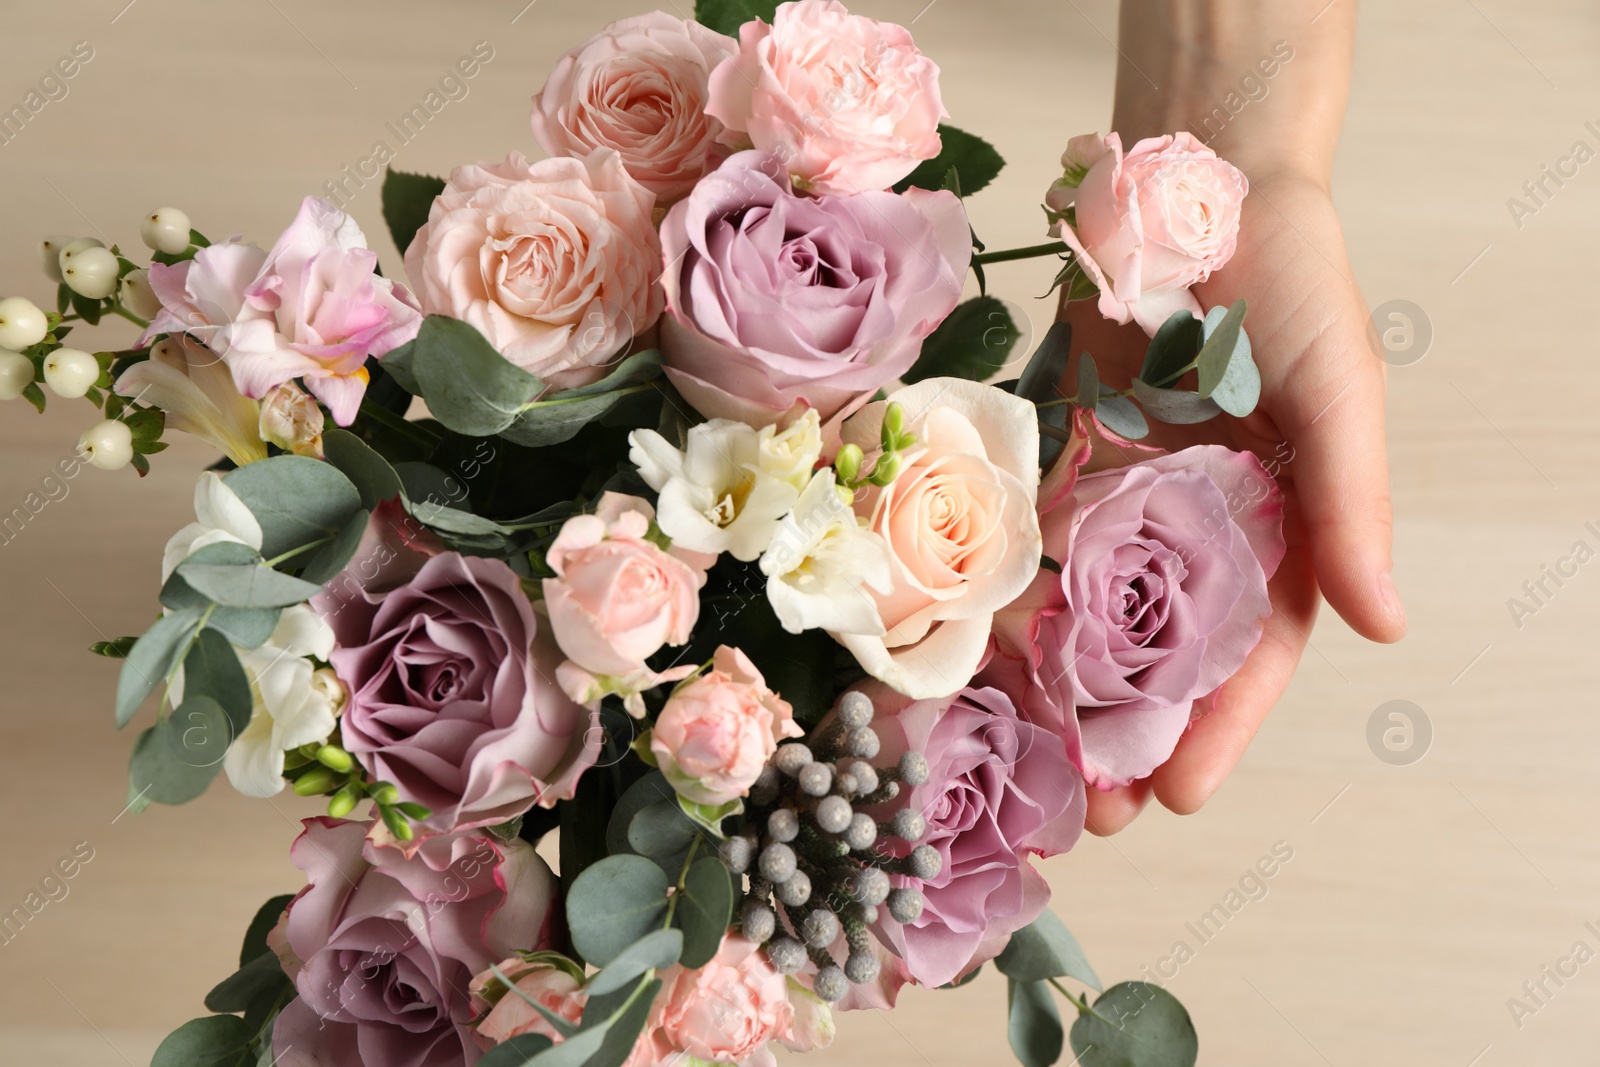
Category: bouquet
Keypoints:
(714, 562)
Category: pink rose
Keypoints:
(1162, 595)
(617, 597)
(848, 104)
(717, 731)
(325, 310)
(779, 300)
(639, 87)
(450, 682)
(999, 789)
(726, 1011)
(960, 527)
(383, 947)
(1149, 225)
(553, 262)
(557, 988)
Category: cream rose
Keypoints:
(960, 527)
(553, 262)
(639, 87)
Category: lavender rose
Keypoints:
(779, 300)
(382, 948)
(999, 789)
(1161, 596)
(452, 687)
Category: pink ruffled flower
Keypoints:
(618, 598)
(725, 1012)
(716, 732)
(848, 104)
(999, 790)
(638, 87)
(1150, 224)
(1162, 595)
(556, 988)
(382, 947)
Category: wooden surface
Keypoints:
(1419, 898)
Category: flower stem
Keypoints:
(382, 415)
(118, 309)
(1031, 252)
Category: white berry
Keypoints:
(91, 272)
(16, 374)
(166, 230)
(69, 372)
(107, 445)
(137, 296)
(74, 245)
(22, 324)
(50, 254)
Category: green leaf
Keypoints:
(1178, 407)
(266, 917)
(331, 558)
(1035, 1023)
(1221, 342)
(1088, 382)
(655, 951)
(517, 1052)
(973, 158)
(116, 648)
(246, 585)
(455, 521)
(704, 910)
(212, 1041)
(175, 760)
(708, 817)
(973, 342)
(1045, 949)
(297, 500)
(662, 831)
(245, 627)
(212, 669)
(1122, 417)
(726, 16)
(624, 1013)
(470, 387)
(262, 975)
(1172, 350)
(1135, 1024)
(369, 472)
(1239, 389)
(1041, 378)
(614, 903)
(152, 659)
(651, 789)
(558, 417)
(407, 199)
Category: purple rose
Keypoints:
(452, 685)
(779, 299)
(382, 948)
(1162, 595)
(998, 789)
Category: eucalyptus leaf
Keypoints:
(655, 951)
(1174, 406)
(244, 627)
(517, 1052)
(661, 830)
(1041, 378)
(246, 585)
(650, 789)
(1135, 1024)
(704, 910)
(407, 200)
(212, 669)
(324, 564)
(973, 342)
(1088, 382)
(212, 1041)
(709, 817)
(262, 975)
(1034, 1025)
(614, 903)
(1239, 389)
(266, 917)
(1045, 949)
(469, 386)
(1122, 417)
(974, 160)
(556, 418)
(152, 659)
(175, 760)
(371, 474)
(455, 521)
(298, 501)
(1172, 350)
(623, 1014)
(1221, 342)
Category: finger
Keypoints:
(1341, 476)
(1110, 812)
(1207, 754)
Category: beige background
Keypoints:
(1419, 897)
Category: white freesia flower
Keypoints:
(221, 516)
(295, 703)
(820, 557)
(195, 388)
(731, 484)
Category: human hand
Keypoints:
(1318, 428)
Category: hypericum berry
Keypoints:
(815, 779)
(796, 890)
(16, 374)
(787, 955)
(855, 710)
(834, 814)
(758, 921)
(830, 984)
(73, 247)
(820, 928)
(107, 445)
(777, 864)
(166, 230)
(790, 757)
(22, 324)
(137, 296)
(783, 825)
(69, 372)
(91, 273)
(50, 254)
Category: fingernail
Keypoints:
(1391, 598)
